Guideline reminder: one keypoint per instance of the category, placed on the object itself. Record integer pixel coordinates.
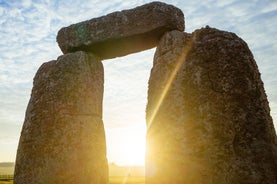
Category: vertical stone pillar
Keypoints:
(207, 114)
(63, 139)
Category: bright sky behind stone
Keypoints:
(28, 38)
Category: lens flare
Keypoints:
(169, 81)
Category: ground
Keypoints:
(113, 179)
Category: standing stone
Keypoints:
(208, 116)
(63, 139)
(121, 33)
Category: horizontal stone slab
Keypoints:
(121, 33)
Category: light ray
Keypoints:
(171, 78)
(126, 176)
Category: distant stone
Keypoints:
(63, 138)
(121, 33)
(208, 116)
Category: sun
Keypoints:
(134, 150)
(128, 148)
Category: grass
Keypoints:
(6, 171)
(127, 180)
(6, 182)
(113, 180)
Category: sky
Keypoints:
(28, 30)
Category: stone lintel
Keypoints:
(123, 32)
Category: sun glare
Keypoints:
(129, 146)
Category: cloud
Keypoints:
(28, 38)
(126, 84)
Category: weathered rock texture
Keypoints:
(213, 126)
(121, 33)
(63, 139)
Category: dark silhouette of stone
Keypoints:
(63, 139)
(207, 114)
(122, 33)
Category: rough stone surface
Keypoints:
(63, 139)
(122, 33)
(213, 126)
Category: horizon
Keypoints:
(110, 163)
(29, 30)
